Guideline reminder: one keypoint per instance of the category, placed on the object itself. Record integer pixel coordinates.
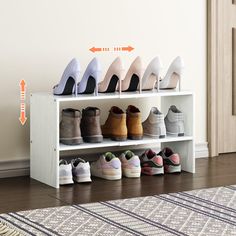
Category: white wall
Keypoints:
(38, 38)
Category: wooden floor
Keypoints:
(22, 193)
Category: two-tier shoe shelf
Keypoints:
(45, 148)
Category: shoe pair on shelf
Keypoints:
(69, 83)
(166, 161)
(110, 167)
(76, 171)
(134, 79)
(120, 125)
(73, 127)
(156, 126)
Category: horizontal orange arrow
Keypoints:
(94, 49)
(22, 117)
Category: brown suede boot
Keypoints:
(115, 125)
(90, 125)
(70, 127)
(134, 123)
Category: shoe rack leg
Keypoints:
(44, 139)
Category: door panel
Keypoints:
(234, 69)
(227, 76)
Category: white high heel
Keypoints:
(151, 74)
(89, 81)
(69, 79)
(173, 75)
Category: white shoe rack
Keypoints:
(45, 148)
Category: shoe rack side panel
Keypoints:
(186, 149)
(44, 136)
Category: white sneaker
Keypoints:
(174, 122)
(65, 173)
(108, 166)
(130, 165)
(81, 170)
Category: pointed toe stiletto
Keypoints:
(173, 75)
(151, 74)
(133, 77)
(112, 77)
(69, 79)
(89, 81)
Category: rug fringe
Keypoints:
(5, 230)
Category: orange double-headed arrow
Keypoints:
(96, 49)
(22, 117)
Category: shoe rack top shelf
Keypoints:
(117, 95)
(110, 143)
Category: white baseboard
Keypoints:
(201, 150)
(22, 167)
(14, 168)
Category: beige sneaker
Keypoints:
(108, 166)
(130, 164)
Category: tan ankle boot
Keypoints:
(115, 125)
(134, 123)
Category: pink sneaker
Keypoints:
(130, 165)
(171, 160)
(108, 166)
(152, 164)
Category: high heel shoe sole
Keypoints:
(90, 87)
(112, 85)
(133, 84)
(68, 87)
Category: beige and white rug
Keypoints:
(199, 212)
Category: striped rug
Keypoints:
(199, 212)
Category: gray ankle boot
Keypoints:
(154, 125)
(70, 127)
(174, 121)
(90, 125)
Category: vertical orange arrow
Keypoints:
(22, 117)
